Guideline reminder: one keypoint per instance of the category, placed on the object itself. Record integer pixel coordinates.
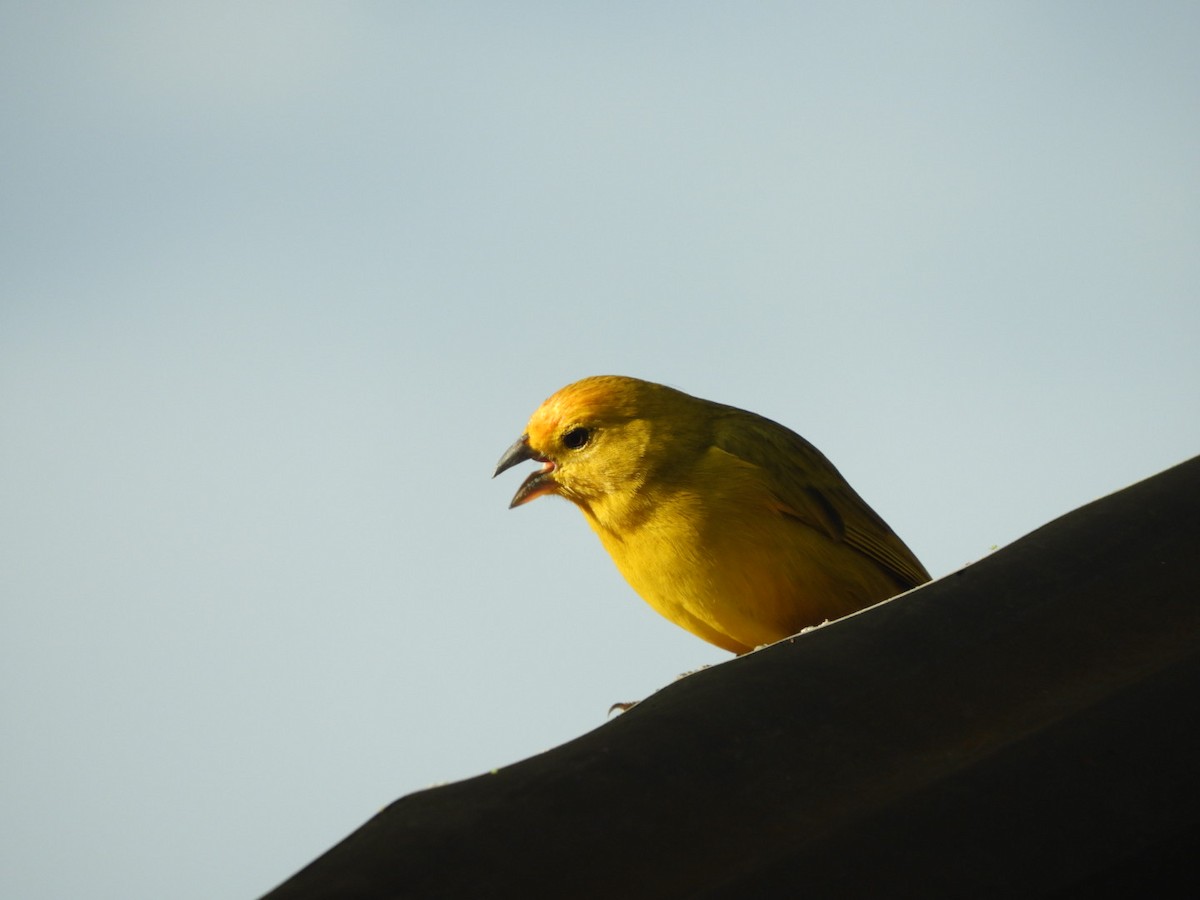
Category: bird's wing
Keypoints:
(810, 489)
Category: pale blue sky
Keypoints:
(280, 282)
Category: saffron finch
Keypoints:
(728, 524)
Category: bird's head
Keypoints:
(591, 438)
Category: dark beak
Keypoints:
(536, 484)
(514, 455)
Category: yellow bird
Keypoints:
(725, 522)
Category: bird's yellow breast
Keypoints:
(713, 552)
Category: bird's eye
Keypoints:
(576, 438)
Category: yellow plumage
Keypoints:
(725, 522)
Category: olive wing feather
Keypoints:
(810, 489)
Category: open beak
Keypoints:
(536, 484)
